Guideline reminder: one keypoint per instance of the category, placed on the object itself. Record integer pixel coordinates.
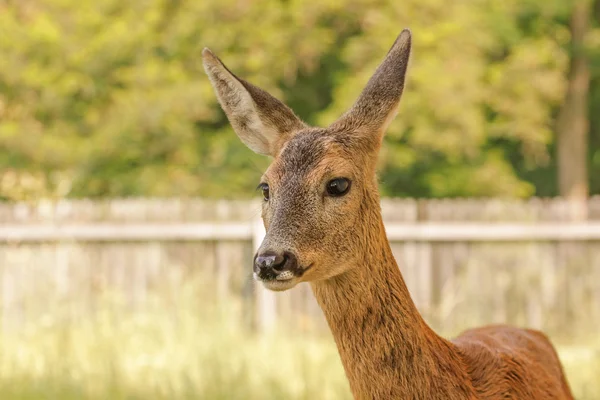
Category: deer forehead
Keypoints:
(310, 156)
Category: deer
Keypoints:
(322, 217)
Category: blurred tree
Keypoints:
(108, 98)
(485, 79)
(594, 102)
(573, 119)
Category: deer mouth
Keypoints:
(289, 274)
(282, 280)
(280, 286)
(285, 276)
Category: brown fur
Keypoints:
(387, 349)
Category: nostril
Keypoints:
(270, 260)
(289, 260)
(280, 263)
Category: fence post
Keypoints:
(265, 299)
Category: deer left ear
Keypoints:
(261, 121)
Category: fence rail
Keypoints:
(466, 262)
(432, 232)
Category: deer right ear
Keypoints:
(378, 103)
(261, 121)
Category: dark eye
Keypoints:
(338, 187)
(265, 190)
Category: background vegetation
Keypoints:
(109, 98)
(177, 350)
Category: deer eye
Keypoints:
(265, 190)
(338, 187)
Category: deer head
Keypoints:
(321, 200)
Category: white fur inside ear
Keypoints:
(240, 108)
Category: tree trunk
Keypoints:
(573, 119)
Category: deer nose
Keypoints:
(269, 264)
(269, 260)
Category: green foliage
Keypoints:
(181, 346)
(108, 98)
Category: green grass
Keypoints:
(180, 349)
(185, 350)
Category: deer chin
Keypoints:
(280, 285)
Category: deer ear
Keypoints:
(261, 121)
(377, 105)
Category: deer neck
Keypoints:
(387, 349)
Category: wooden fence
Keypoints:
(466, 262)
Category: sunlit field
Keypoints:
(188, 348)
(179, 347)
